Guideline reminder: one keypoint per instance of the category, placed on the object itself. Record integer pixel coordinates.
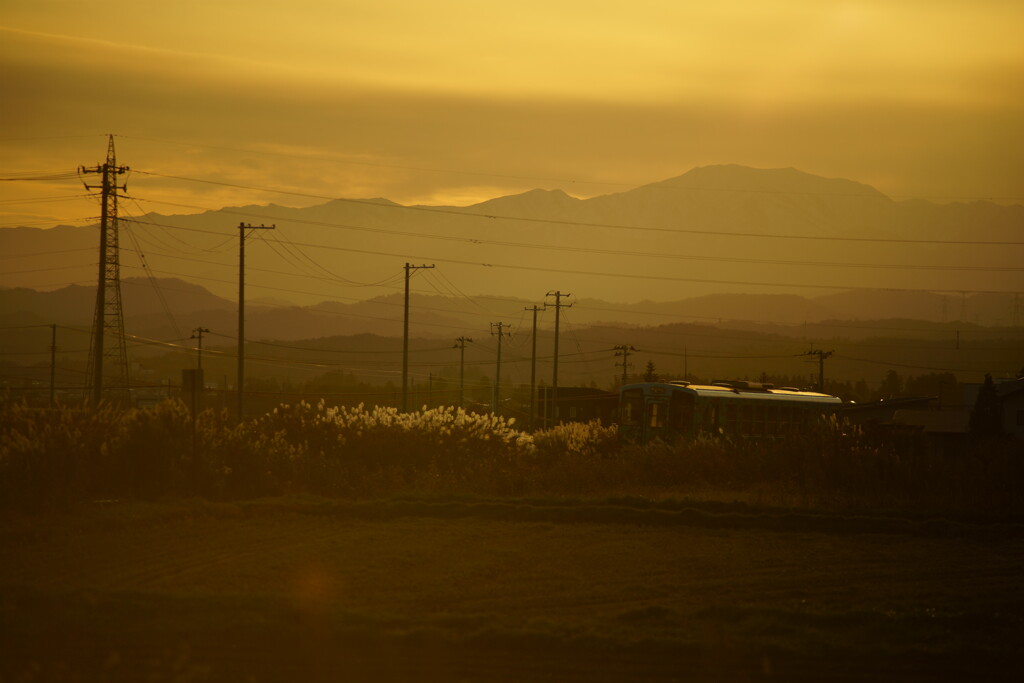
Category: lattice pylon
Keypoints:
(107, 373)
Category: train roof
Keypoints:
(742, 389)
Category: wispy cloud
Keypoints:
(450, 101)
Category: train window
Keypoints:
(681, 411)
(771, 420)
(655, 415)
(707, 418)
(746, 419)
(730, 417)
(632, 406)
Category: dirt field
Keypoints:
(304, 590)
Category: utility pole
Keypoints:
(109, 316)
(533, 369)
(558, 305)
(242, 227)
(624, 350)
(405, 338)
(53, 360)
(822, 355)
(496, 401)
(460, 344)
(198, 334)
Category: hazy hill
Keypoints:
(738, 336)
(170, 309)
(713, 230)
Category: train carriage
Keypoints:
(671, 410)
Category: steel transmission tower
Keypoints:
(108, 342)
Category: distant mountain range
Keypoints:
(726, 335)
(168, 309)
(713, 230)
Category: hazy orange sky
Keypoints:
(458, 101)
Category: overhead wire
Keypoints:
(48, 252)
(152, 280)
(328, 272)
(662, 278)
(611, 226)
(950, 291)
(40, 200)
(686, 333)
(154, 235)
(25, 176)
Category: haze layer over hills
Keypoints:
(716, 229)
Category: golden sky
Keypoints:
(455, 101)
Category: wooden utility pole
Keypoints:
(198, 335)
(496, 400)
(624, 350)
(533, 369)
(558, 306)
(822, 355)
(53, 361)
(405, 338)
(242, 227)
(460, 344)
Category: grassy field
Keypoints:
(456, 589)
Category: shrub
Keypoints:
(578, 439)
(51, 458)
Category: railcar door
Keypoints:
(656, 419)
(631, 415)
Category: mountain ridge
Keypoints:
(714, 229)
(146, 302)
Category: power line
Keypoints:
(49, 252)
(901, 365)
(667, 278)
(30, 176)
(517, 302)
(610, 226)
(325, 350)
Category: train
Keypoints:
(667, 411)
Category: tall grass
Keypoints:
(50, 458)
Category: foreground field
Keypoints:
(461, 590)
